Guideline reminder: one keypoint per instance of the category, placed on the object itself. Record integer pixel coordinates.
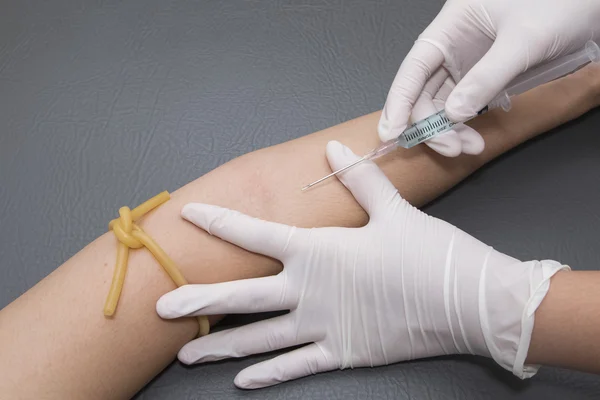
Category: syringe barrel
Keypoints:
(545, 73)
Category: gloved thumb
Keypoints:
(367, 183)
(497, 68)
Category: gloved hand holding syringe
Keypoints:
(437, 124)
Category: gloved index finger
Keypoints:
(252, 234)
(416, 69)
(503, 62)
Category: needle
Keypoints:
(335, 173)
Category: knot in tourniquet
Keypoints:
(125, 229)
(131, 236)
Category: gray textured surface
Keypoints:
(172, 89)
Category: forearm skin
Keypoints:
(567, 323)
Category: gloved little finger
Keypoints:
(235, 297)
(259, 337)
(296, 364)
(471, 141)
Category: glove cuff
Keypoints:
(508, 299)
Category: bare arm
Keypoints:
(567, 324)
(54, 339)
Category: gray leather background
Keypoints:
(169, 90)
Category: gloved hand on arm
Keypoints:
(404, 286)
(471, 51)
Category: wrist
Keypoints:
(509, 297)
(489, 300)
(566, 323)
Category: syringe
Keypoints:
(439, 123)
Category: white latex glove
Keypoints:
(405, 286)
(460, 139)
(481, 45)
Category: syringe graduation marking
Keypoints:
(422, 130)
